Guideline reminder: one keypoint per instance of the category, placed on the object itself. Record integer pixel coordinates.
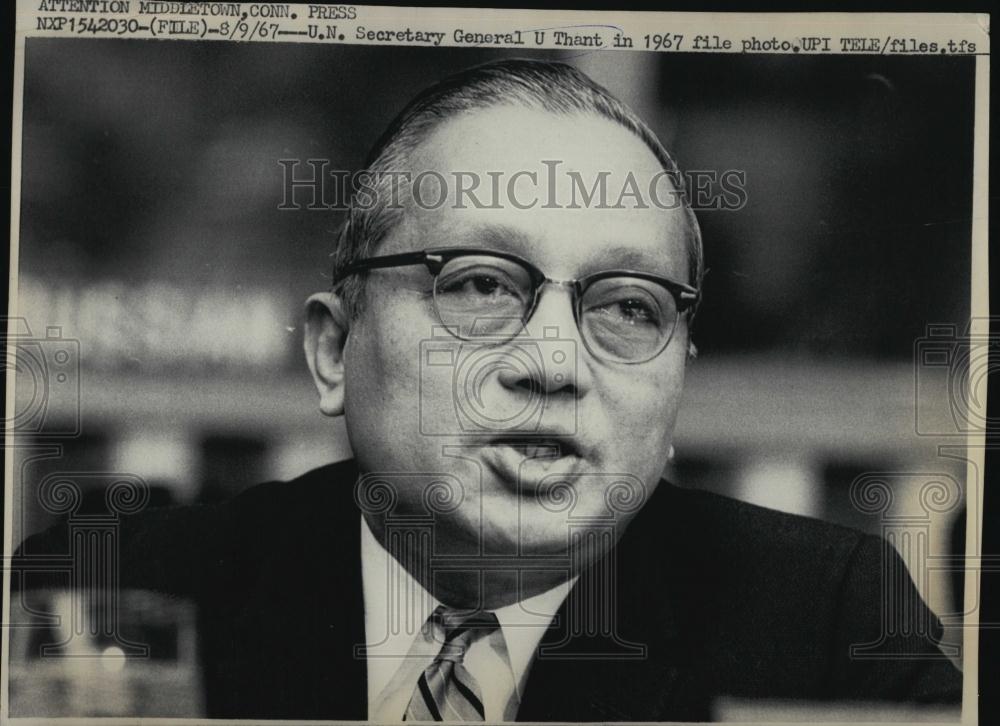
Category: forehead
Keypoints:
(551, 163)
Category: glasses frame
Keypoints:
(686, 297)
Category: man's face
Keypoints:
(406, 388)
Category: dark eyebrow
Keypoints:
(628, 258)
(503, 238)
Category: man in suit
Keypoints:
(509, 363)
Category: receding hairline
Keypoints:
(429, 133)
(419, 158)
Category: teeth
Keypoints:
(534, 451)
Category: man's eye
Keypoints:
(485, 285)
(632, 311)
(477, 285)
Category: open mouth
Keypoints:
(538, 447)
(525, 462)
(536, 451)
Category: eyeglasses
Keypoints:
(484, 295)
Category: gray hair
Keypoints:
(545, 85)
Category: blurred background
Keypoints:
(161, 286)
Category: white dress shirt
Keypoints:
(399, 648)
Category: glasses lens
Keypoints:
(482, 296)
(627, 318)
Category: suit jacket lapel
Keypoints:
(617, 675)
(615, 650)
(342, 665)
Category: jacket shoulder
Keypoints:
(784, 604)
(751, 538)
(192, 549)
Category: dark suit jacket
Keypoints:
(726, 598)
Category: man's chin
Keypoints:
(532, 532)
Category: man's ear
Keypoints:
(325, 336)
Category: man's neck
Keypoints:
(450, 571)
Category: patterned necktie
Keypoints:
(446, 691)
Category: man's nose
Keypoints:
(552, 338)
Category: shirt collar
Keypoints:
(416, 606)
(523, 623)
